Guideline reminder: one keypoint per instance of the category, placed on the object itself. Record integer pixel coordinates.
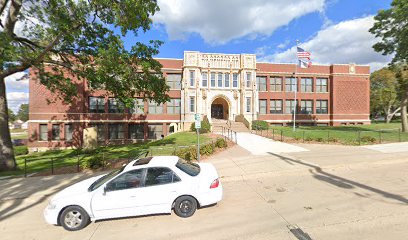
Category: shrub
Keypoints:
(320, 139)
(220, 143)
(368, 139)
(333, 139)
(207, 149)
(94, 162)
(20, 150)
(188, 154)
(297, 138)
(205, 126)
(308, 139)
(259, 125)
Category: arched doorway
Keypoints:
(219, 108)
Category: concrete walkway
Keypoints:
(258, 145)
(389, 147)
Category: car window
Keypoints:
(159, 176)
(127, 180)
(191, 169)
(104, 179)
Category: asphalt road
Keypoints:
(282, 197)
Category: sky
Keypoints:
(334, 31)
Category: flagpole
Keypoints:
(294, 106)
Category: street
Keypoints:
(357, 193)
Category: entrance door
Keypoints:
(217, 111)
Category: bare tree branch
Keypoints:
(3, 4)
(12, 15)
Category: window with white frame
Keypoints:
(68, 132)
(321, 85)
(192, 78)
(115, 106)
(173, 106)
(306, 84)
(174, 80)
(275, 107)
(235, 80)
(261, 83)
(290, 84)
(262, 106)
(96, 104)
(155, 108)
(212, 79)
(155, 131)
(204, 79)
(192, 104)
(248, 80)
(275, 84)
(43, 136)
(116, 131)
(248, 104)
(289, 106)
(219, 80)
(306, 106)
(55, 133)
(321, 106)
(138, 107)
(227, 80)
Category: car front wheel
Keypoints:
(185, 206)
(74, 218)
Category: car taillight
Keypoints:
(215, 183)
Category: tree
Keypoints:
(11, 115)
(391, 26)
(22, 113)
(384, 97)
(55, 38)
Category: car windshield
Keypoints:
(191, 169)
(104, 179)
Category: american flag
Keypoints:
(301, 53)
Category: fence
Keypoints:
(229, 134)
(335, 136)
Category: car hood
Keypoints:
(76, 189)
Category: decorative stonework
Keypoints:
(219, 61)
(352, 68)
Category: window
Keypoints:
(115, 106)
(155, 131)
(262, 106)
(55, 132)
(100, 131)
(154, 108)
(219, 79)
(227, 80)
(275, 107)
(306, 84)
(127, 180)
(192, 169)
(138, 107)
(289, 105)
(136, 131)
(192, 77)
(235, 80)
(192, 104)
(261, 83)
(116, 131)
(96, 104)
(174, 80)
(160, 176)
(68, 132)
(321, 106)
(43, 132)
(212, 79)
(290, 84)
(321, 85)
(248, 80)
(248, 104)
(173, 107)
(306, 106)
(204, 82)
(275, 84)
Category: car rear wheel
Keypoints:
(185, 206)
(74, 218)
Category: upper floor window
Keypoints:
(275, 84)
(306, 84)
(155, 108)
(212, 79)
(192, 78)
(138, 107)
(204, 77)
(173, 107)
(227, 80)
(275, 107)
(321, 106)
(219, 80)
(262, 106)
(261, 83)
(290, 84)
(43, 136)
(115, 106)
(174, 80)
(97, 104)
(321, 85)
(235, 80)
(306, 106)
(248, 80)
(192, 104)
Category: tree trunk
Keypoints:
(404, 119)
(7, 160)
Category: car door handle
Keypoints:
(132, 196)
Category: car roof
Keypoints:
(157, 161)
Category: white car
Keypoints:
(145, 186)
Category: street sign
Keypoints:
(197, 121)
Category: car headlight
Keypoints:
(51, 206)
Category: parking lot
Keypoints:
(357, 194)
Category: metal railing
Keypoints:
(229, 134)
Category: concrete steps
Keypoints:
(234, 126)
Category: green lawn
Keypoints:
(354, 135)
(38, 162)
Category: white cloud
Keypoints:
(15, 99)
(218, 22)
(17, 82)
(345, 42)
